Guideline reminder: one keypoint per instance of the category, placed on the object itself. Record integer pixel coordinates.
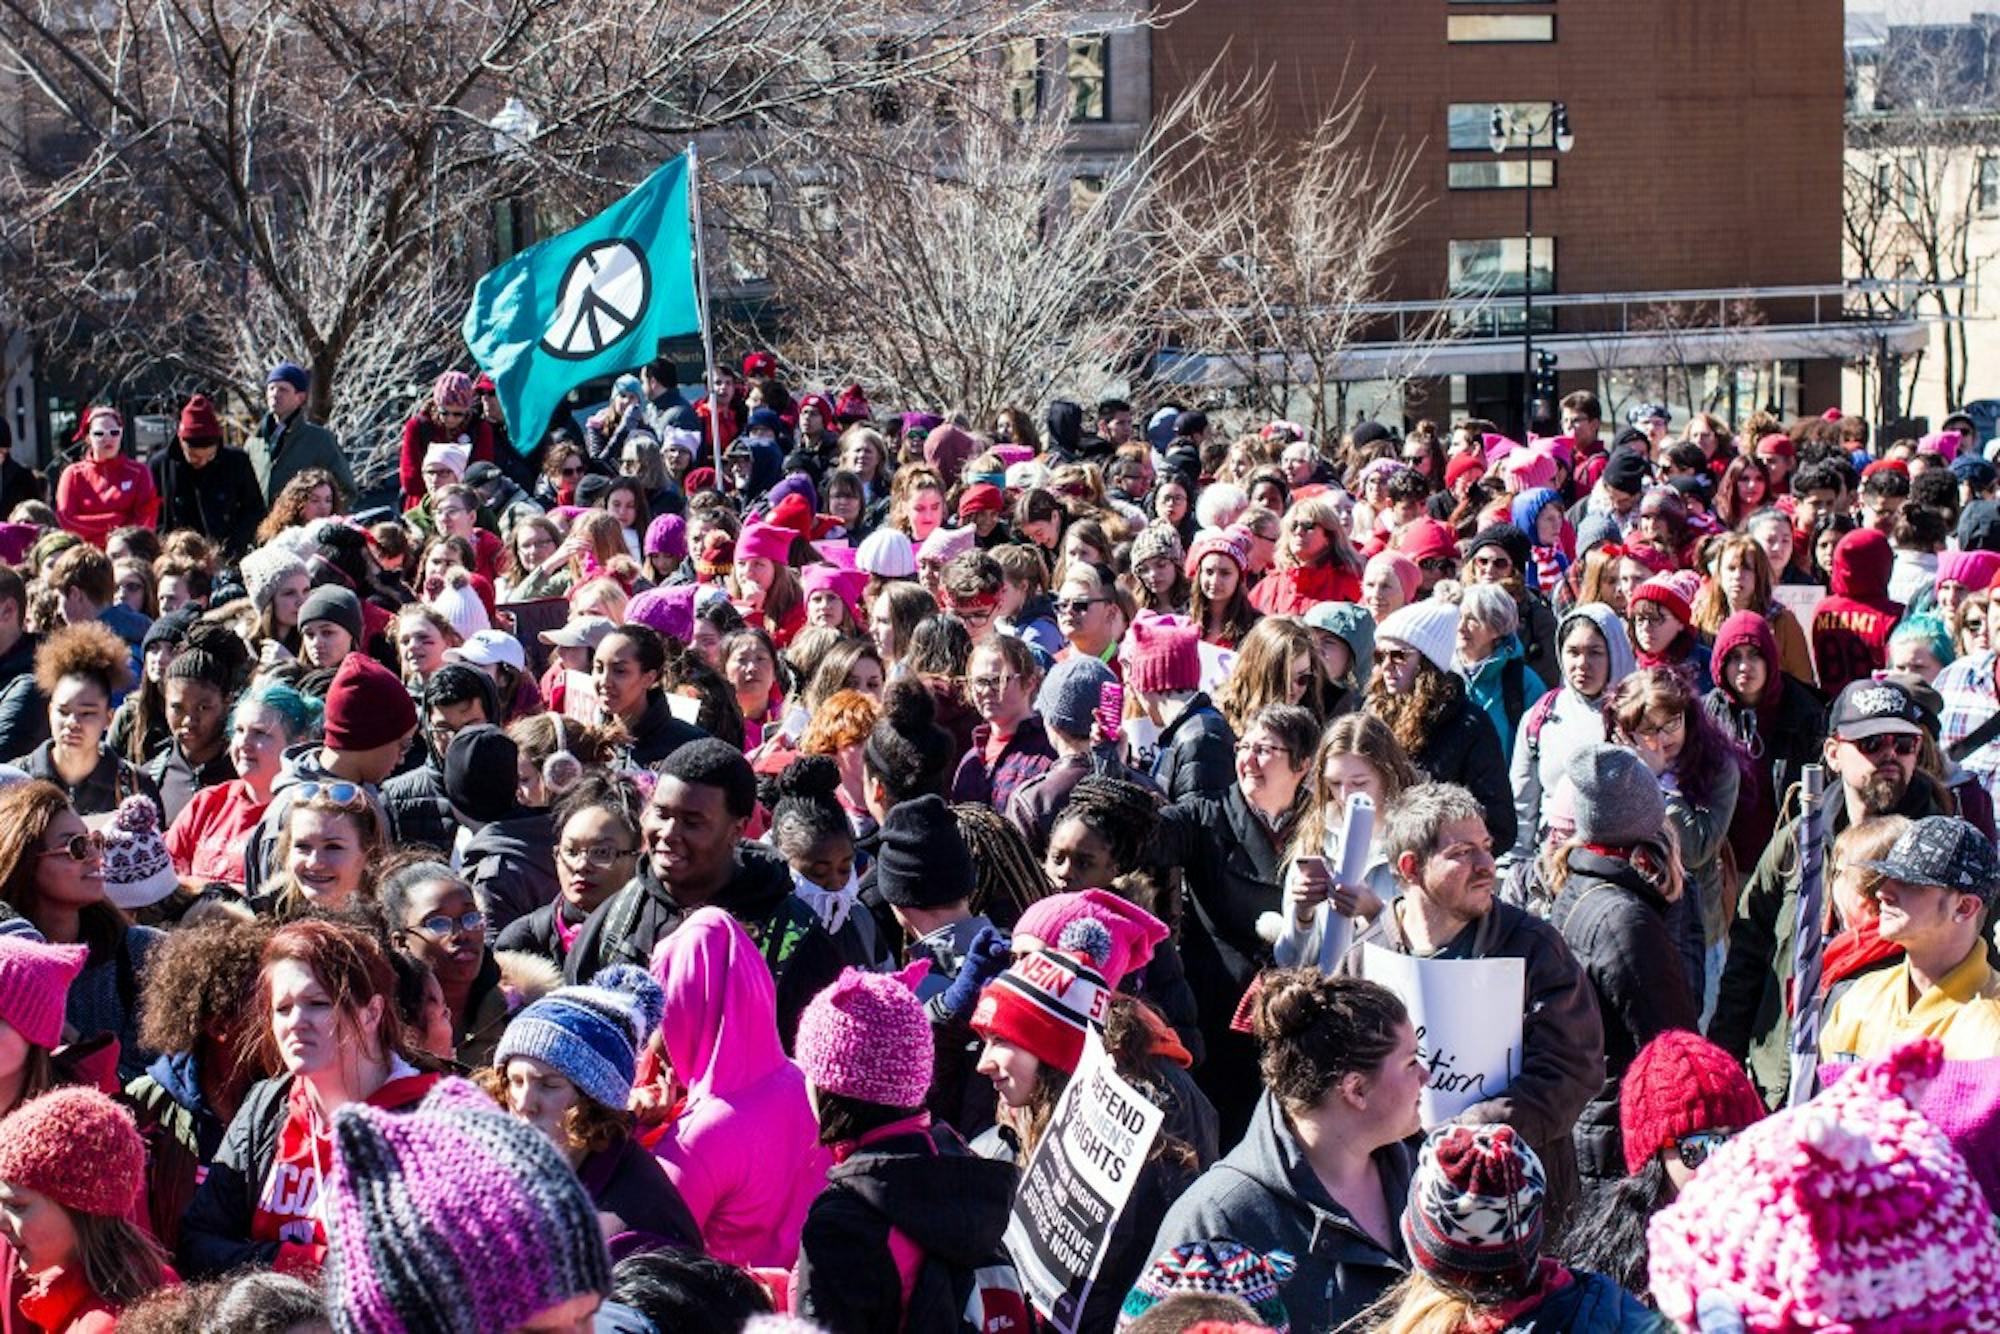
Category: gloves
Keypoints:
(987, 958)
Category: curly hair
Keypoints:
(1007, 878)
(197, 976)
(288, 509)
(845, 719)
(91, 650)
(1415, 715)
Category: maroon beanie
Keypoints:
(1162, 653)
(76, 1146)
(1680, 1083)
(367, 707)
(198, 420)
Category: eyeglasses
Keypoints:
(1903, 743)
(1263, 750)
(440, 924)
(993, 684)
(1649, 618)
(1695, 1147)
(1671, 727)
(341, 793)
(1492, 560)
(595, 854)
(1078, 606)
(79, 847)
(571, 469)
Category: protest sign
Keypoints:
(1467, 1014)
(1802, 600)
(1077, 1182)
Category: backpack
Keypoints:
(1538, 718)
(989, 1299)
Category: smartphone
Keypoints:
(1315, 863)
(1110, 707)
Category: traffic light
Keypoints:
(1545, 377)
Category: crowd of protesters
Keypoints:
(665, 876)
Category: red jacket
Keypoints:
(92, 499)
(419, 434)
(1294, 592)
(61, 1302)
(1850, 628)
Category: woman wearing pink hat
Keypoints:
(448, 416)
(1218, 565)
(763, 584)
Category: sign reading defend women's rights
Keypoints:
(1077, 1181)
(1467, 1014)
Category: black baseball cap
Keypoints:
(1870, 707)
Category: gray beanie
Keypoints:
(1069, 694)
(330, 602)
(1595, 530)
(1618, 801)
(1157, 540)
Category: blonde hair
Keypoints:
(1419, 1306)
(1359, 734)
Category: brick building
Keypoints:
(1706, 159)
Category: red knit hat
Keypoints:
(1046, 1002)
(1162, 652)
(1425, 539)
(1679, 1083)
(367, 707)
(1661, 588)
(76, 1146)
(198, 420)
(1231, 542)
(981, 498)
(1460, 467)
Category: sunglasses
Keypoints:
(571, 469)
(1078, 606)
(1903, 743)
(107, 433)
(80, 847)
(1695, 1147)
(442, 924)
(340, 793)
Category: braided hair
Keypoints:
(1122, 814)
(1008, 876)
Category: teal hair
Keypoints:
(1931, 631)
(299, 714)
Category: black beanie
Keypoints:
(330, 602)
(1625, 470)
(481, 773)
(1508, 538)
(922, 861)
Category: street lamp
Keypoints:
(1512, 126)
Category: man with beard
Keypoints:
(1415, 691)
(1871, 754)
(1434, 837)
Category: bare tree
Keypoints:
(216, 185)
(1281, 299)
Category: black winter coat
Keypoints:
(656, 734)
(1464, 749)
(1615, 923)
(221, 501)
(1197, 753)
(802, 956)
(927, 1185)
(511, 866)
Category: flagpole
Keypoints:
(707, 337)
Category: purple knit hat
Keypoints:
(867, 1037)
(666, 536)
(669, 610)
(454, 1218)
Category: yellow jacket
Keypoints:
(1876, 1015)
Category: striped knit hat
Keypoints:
(454, 1218)
(1474, 1222)
(591, 1035)
(1046, 1002)
(1228, 1268)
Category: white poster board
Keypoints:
(1802, 600)
(1468, 1015)
(1076, 1183)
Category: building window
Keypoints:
(1989, 185)
(1021, 68)
(1912, 197)
(1090, 78)
(749, 257)
(1500, 28)
(1469, 125)
(888, 100)
(1500, 174)
(1496, 266)
(1885, 182)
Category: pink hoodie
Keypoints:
(744, 1152)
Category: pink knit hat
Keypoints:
(1852, 1212)
(1406, 571)
(1669, 592)
(1530, 468)
(453, 390)
(768, 540)
(1162, 652)
(76, 1146)
(1134, 931)
(1974, 569)
(1231, 542)
(34, 985)
(867, 1037)
(847, 585)
(945, 545)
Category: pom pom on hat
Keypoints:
(1088, 937)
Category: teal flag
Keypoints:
(593, 301)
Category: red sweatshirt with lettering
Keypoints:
(1850, 629)
(287, 1209)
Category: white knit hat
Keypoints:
(266, 568)
(1430, 627)
(137, 870)
(887, 554)
(450, 454)
(460, 605)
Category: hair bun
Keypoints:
(907, 706)
(810, 776)
(1285, 1008)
